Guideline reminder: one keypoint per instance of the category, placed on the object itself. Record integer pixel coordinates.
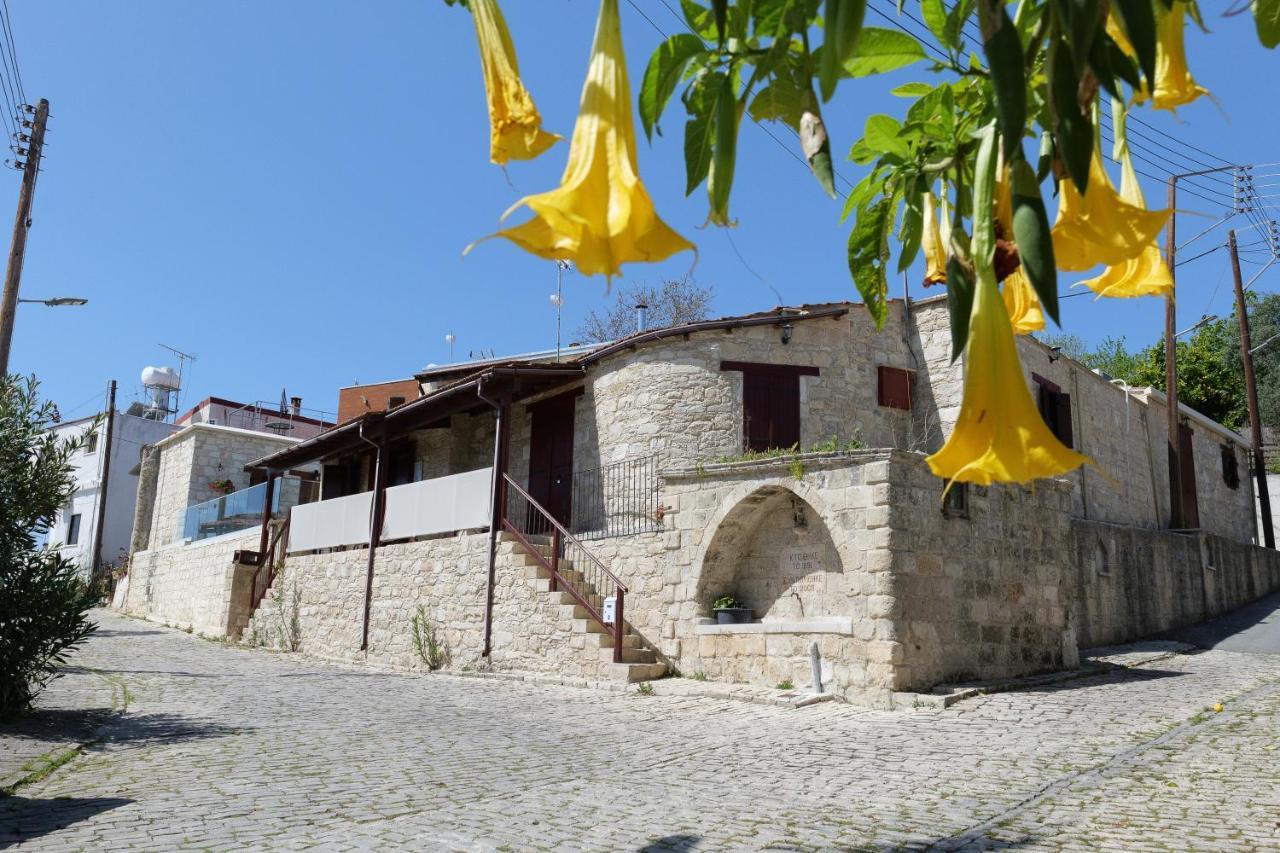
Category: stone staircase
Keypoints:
(639, 662)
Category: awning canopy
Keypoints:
(478, 392)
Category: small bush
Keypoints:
(785, 684)
(44, 602)
(427, 642)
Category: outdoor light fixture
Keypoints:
(1055, 353)
(57, 301)
(786, 333)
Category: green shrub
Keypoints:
(43, 600)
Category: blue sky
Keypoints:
(285, 190)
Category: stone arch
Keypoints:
(771, 546)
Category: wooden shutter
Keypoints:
(1190, 507)
(893, 388)
(1230, 469)
(1062, 420)
(770, 403)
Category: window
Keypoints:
(73, 529)
(770, 403)
(1230, 469)
(894, 387)
(91, 443)
(955, 503)
(1055, 408)
(395, 401)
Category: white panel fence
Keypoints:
(442, 505)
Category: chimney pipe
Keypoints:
(642, 317)
(295, 403)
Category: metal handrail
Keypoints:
(564, 531)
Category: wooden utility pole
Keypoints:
(100, 515)
(1251, 390)
(21, 225)
(1171, 367)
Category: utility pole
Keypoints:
(100, 515)
(1171, 365)
(1251, 390)
(21, 225)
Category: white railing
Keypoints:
(441, 505)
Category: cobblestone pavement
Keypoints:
(225, 748)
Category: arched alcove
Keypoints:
(773, 552)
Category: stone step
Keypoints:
(605, 641)
(572, 610)
(588, 626)
(633, 672)
(631, 655)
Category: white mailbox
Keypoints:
(610, 604)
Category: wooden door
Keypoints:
(551, 455)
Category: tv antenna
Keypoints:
(183, 358)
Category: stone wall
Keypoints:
(1124, 432)
(193, 458)
(197, 587)
(1128, 583)
(976, 592)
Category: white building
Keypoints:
(76, 525)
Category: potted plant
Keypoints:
(729, 611)
(222, 487)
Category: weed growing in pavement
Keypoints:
(785, 684)
(644, 688)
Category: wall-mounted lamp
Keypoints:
(1055, 353)
(786, 333)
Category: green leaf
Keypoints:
(935, 18)
(724, 152)
(956, 19)
(883, 134)
(1139, 22)
(699, 102)
(880, 50)
(1266, 17)
(1032, 234)
(960, 291)
(1006, 62)
(719, 12)
(1082, 23)
(868, 187)
(700, 19)
(911, 90)
(841, 29)
(782, 100)
(662, 74)
(912, 224)
(867, 253)
(1072, 129)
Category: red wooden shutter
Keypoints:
(1062, 420)
(893, 387)
(1190, 506)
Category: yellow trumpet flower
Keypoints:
(1101, 227)
(600, 216)
(1175, 87)
(1020, 301)
(515, 128)
(1000, 435)
(935, 253)
(1147, 274)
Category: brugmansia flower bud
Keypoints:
(600, 216)
(1101, 227)
(1000, 435)
(1147, 274)
(515, 128)
(935, 254)
(1025, 315)
(1175, 87)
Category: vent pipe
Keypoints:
(295, 403)
(642, 317)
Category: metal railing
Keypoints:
(262, 416)
(573, 568)
(243, 509)
(616, 500)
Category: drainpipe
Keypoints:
(502, 412)
(375, 525)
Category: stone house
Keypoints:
(776, 458)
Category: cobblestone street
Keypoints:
(225, 748)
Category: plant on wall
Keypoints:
(426, 641)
